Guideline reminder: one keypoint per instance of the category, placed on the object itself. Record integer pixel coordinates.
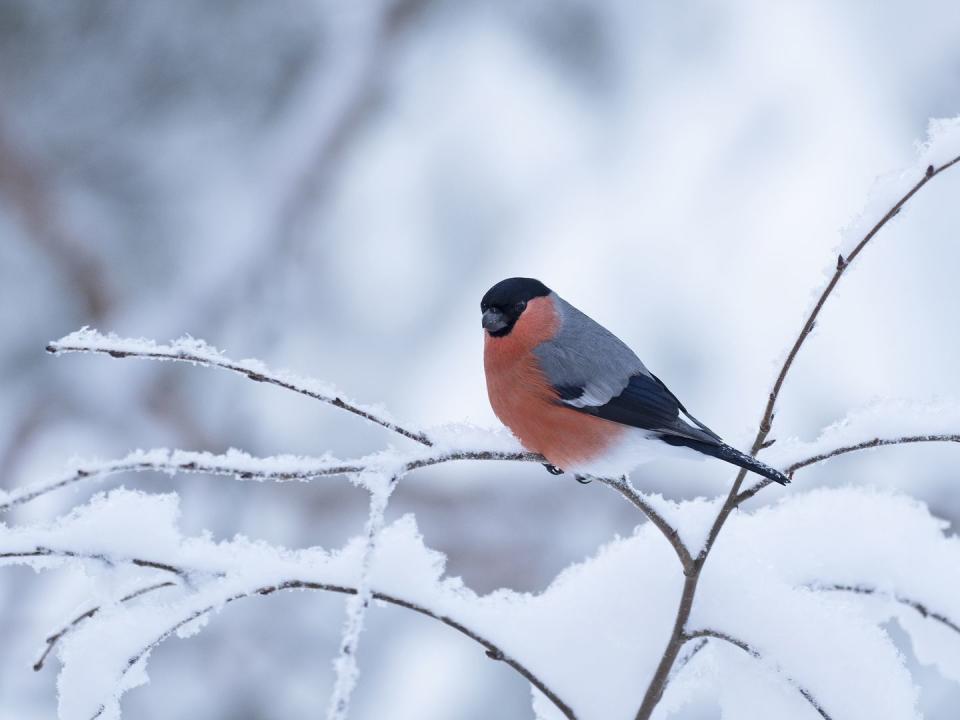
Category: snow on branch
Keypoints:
(826, 538)
(891, 422)
(754, 653)
(198, 352)
(940, 153)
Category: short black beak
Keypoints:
(494, 320)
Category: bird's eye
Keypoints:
(520, 306)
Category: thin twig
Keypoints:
(492, 650)
(623, 486)
(753, 652)
(180, 461)
(678, 636)
(56, 637)
(909, 602)
(865, 445)
(99, 557)
(210, 357)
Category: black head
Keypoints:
(505, 302)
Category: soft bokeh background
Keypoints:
(332, 186)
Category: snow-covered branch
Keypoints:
(197, 352)
(916, 605)
(56, 636)
(754, 653)
(937, 156)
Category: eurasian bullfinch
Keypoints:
(571, 391)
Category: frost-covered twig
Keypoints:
(197, 352)
(920, 607)
(493, 651)
(234, 463)
(753, 652)
(54, 638)
(661, 675)
(346, 663)
(108, 560)
(286, 468)
(865, 445)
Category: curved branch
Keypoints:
(623, 486)
(107, 560)
(199, 353)
(842, 264)
(753, 652)
(865, 445)
(493, 651)
(56, 637)
(909, 602)
(661, 675)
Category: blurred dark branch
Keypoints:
(865, 445)
(56, 637)
(118, 348)
(30, 196)
(922, 609)
(493, 651)
(753, 652)
(661, 676)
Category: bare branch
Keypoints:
(56, 637)
(492, 650)
(909, 602)
(865, 445)
(678, 636)
(198, 353)
(717, 635)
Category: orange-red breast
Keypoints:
(572, 391)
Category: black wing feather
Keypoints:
(646, 403)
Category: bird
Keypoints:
(573, 392)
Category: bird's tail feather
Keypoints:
(724, 452)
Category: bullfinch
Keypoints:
(573, 392)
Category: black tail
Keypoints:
(730, 455)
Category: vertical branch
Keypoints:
(346, 663)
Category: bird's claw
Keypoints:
(553, 469)
(583, 479)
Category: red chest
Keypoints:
(523, 399)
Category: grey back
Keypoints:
(587, 363)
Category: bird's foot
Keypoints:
(583, 479)
(553, 469)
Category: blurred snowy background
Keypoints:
(332, 186)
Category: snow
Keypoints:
(886, 419)
(594, 635)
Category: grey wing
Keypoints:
(594, 372)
